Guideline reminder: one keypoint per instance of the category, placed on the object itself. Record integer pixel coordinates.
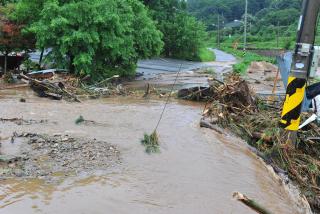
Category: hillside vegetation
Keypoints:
(271, 23)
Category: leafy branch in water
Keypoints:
(79, 120)
(151, 143)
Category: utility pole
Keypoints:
(218, 30)
(301, 65)
(245, 26)
(278, 34)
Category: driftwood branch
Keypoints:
(251, 203)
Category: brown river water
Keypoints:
(196, 172)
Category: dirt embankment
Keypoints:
(261, 77)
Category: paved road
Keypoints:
(153, 67)
(223, 56)
(162, 72)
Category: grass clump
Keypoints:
(151, 143)
(206, 55)
(79, 120)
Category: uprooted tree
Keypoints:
(97, 38)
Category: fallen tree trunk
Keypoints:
(251, 203)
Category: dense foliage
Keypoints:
(94, 37)
(106, 37)
(268, 20)
(184, 36)
(207, 10)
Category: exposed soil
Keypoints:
(261, 77)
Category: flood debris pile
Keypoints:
(45, 156)
(236, 108)
(108, 87)
(196, 93)
(59, 85)
(46, 88)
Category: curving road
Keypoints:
(152, 67)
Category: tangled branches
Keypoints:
(234, 107)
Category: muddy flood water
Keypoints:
(196, 172)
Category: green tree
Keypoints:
(205, 10)
(184, 36)
(97, 37)
(5, 2)
(27, 12)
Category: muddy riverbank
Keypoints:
(31, 155)
(196, 170)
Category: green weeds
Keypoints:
(246, 58)
(151, 143)
(206, 55)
